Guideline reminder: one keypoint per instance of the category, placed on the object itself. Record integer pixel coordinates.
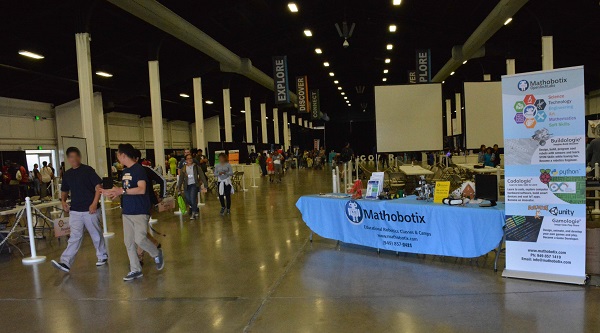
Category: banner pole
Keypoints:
(34, 257)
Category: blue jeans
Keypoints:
(191, 196)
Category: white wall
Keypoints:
(128, 128)
(18, 128)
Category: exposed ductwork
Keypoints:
(475, 45)
(164, 19)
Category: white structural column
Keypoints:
(306, 123)
(263, 122)
(458, 104)
(510, 67)
(284, 122)
(157, 119)
(248, 109)
(227, 114)
(199, 112)
(300, 121)
(293, 119)
(86, 94)
(449, 117)
(276, 124)
(547, 53)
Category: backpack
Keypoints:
(46, 174)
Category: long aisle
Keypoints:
(256, 271)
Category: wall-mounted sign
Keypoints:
(423, 66)
(412, 76)
(315, 104)
(302, 92)
(280, 79)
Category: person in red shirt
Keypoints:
(270, 167)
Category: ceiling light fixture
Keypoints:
(396, 2)
(208, 102)
(508, 20)
(318, 51)
(336, 81)
(349, 104)
(104, 74)
(326, 64)
(393, 28)
(31, 54)
(464, 62)
(184, 95)
(345, 97)
(385, 71)
(293, 7)
(343, 93)
(339, 88)
(331, 74)
(307, 33)
(388, 60)
(389, 46)
(243, 111)
(443, 82)
(384, 79)
(452, 73)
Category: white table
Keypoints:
(47, 204)
(471, 167)
(414, 170)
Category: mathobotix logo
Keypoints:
(354, 212)
(556, 212)
(523, 85)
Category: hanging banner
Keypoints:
(423, 66)
(280, 77)
(544, 157)
(302, 92)
(412, 76)
(315, 104)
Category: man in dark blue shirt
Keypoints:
(84, 184)
(136, 207)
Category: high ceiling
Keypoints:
(259, 29)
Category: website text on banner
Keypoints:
(544, 140)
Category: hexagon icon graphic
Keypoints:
(529, 111)
(530, 123)
(540, 104)
(540, 116)
(529, 99)
(519, 118)
(519, 106)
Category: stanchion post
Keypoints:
(254, 175)
(34, 257)
(244, 189)
(337, 179)
(334, 181)
(103, 211)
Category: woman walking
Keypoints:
(191, 179)
(223, 172)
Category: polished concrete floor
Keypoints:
(256, 271)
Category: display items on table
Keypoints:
(375, 185)
(424, 190)
(356, 190)
(441, 192)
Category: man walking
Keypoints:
(84, 184)
(136, 205)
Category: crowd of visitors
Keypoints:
(489, 156)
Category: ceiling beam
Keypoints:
(166, 20)
(476, 42)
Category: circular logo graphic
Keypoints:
(354, 212)
(523, 85)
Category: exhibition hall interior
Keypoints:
(300, 166)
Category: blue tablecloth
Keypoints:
(406, 225)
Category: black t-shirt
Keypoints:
(81, 182)
(138, 204)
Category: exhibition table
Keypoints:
(406, 224)
(414, 170)
(471, 168)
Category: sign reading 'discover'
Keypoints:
(280, 77)
(302, 92)
(315, 104)
(544, 140)
(423, 66)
